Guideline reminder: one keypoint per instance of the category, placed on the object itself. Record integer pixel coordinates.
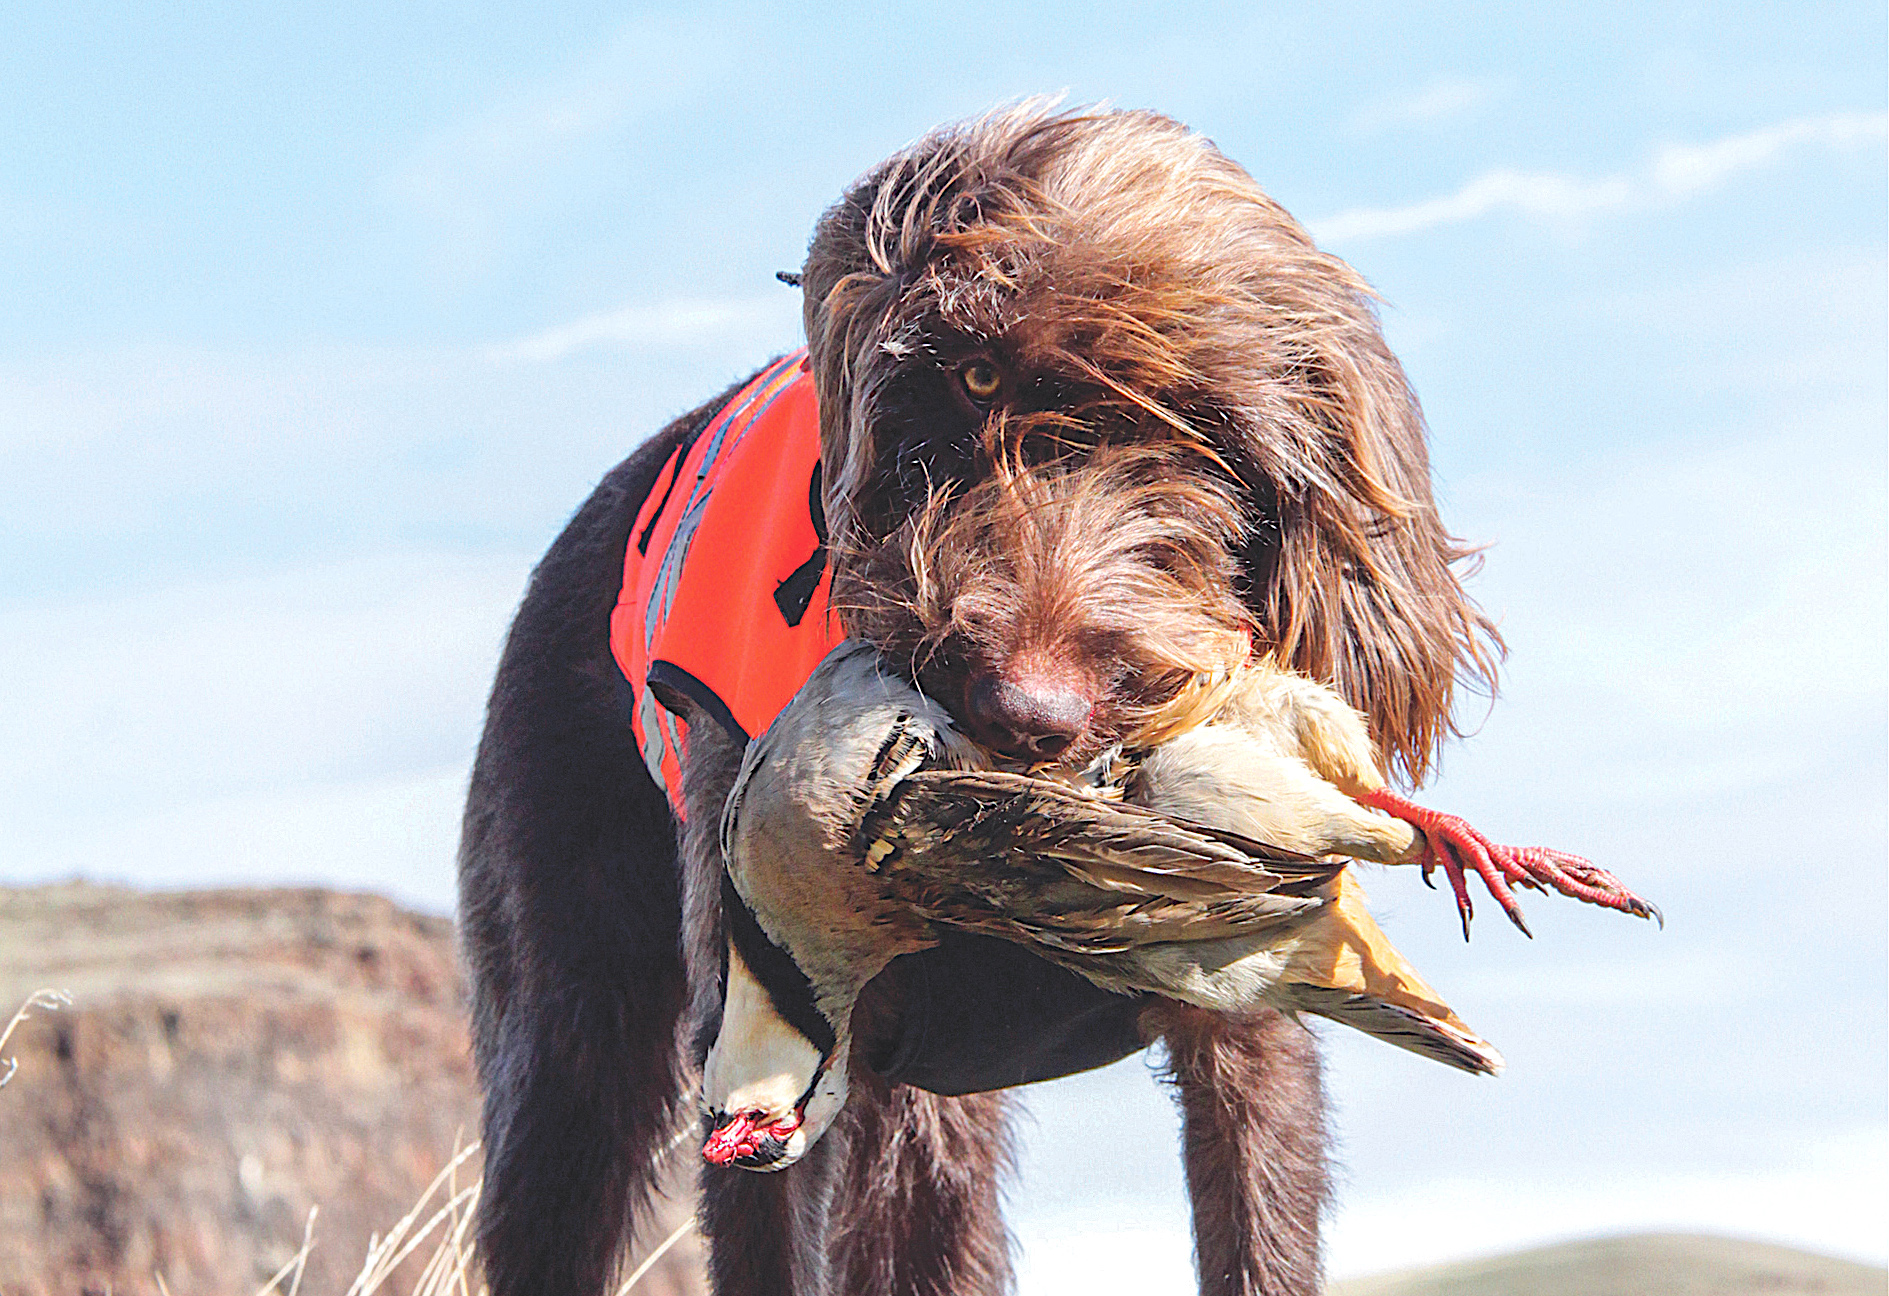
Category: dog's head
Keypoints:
(1097, 415)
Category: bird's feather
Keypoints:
(1059, 869)
(1442, 1039)
(1135, 899)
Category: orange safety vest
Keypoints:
(724, 599)
(724, 604)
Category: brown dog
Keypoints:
(1096, 417)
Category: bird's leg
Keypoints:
(1449, 841)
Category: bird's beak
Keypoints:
(750, 1141)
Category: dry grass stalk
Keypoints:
(447, 1271)
(297, 1262)
(649, 1261)
(45, 1001)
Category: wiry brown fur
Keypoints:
(1253, 1143)
(1200, 436)
(1117, 563)
(919, 1210)
(1135, 286)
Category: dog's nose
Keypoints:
(1026, 715)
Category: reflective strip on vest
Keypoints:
(724, 598)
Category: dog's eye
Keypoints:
(980, 379)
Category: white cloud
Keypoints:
(663, 324)
(1675, 172)
(1450, 97)
(315, 724)
(1534, 194)
(1679, 170)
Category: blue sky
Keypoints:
(316, 323)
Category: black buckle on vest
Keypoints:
(793, 595)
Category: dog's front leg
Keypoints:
(900, 1197)
(767, 1233)
(1253, 1108)
(920, 1210)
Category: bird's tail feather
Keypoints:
(1446, 1041)
(1348, 970)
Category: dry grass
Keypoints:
(444, 1215)
(45, 1001)
(447, 1269)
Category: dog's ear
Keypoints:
(1352, 577)
(847, 294)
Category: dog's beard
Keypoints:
(1115, 568)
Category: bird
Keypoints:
(1279, 757)
(1207, 862)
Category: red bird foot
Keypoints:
(1449, 841)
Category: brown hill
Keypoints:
(231, 1059)
(1654, 1264)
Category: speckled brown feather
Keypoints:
(1082, 880)
(1076, 875)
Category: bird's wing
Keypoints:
(1035, 861)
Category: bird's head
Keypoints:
(771, 1086)
(754, 1139)
(759, 1129)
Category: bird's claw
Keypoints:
(1450, 842)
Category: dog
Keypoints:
(1096, 419)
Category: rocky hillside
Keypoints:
(231, 1059)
